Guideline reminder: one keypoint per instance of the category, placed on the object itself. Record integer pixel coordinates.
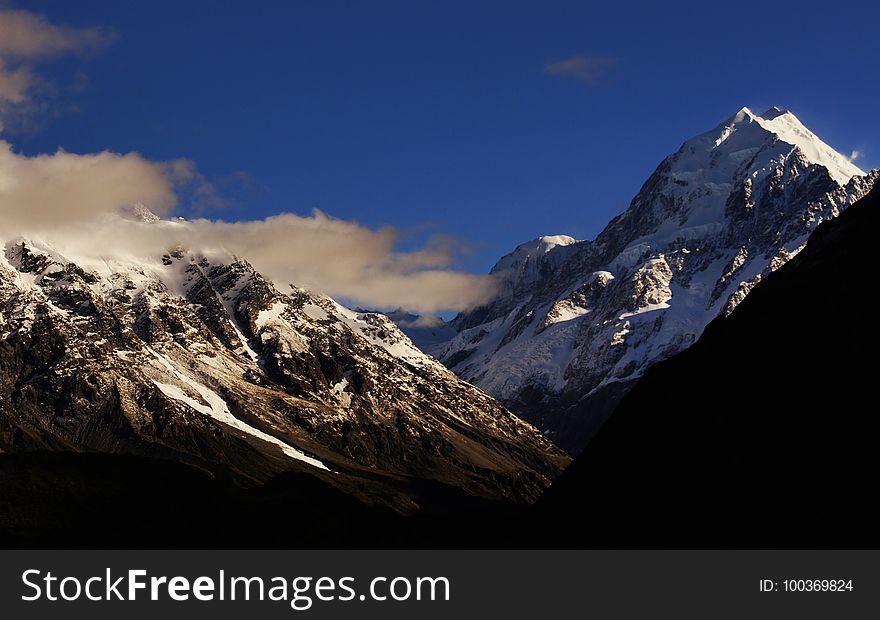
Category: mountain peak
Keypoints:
(773, 112)
(543, 244)
(548, 242)
(746, 112)
(580, 323)
(747, 126)
(532, 251)
(138, 212)
(741, 114)
(790, 129)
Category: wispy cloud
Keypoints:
(855, 155)
(580, 67)
(27, 39)
(29, 36)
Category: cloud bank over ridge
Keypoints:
(73, 201)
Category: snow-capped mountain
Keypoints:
(202, 360)
(578, 322)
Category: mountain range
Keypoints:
(578, 322)
(758, 436)
(201, 360)
(187, 388)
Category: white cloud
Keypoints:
(73, 200)
(855, 155)
(53, 191)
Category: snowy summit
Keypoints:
(577, 323)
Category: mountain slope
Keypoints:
(577, 323)
(200, 359)
(761, 434)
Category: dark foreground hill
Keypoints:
(66, 500)
(763, 434)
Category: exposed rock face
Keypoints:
(202, 360)
(578, 322)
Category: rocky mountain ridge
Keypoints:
(200, 359)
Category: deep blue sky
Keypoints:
(441, 114)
